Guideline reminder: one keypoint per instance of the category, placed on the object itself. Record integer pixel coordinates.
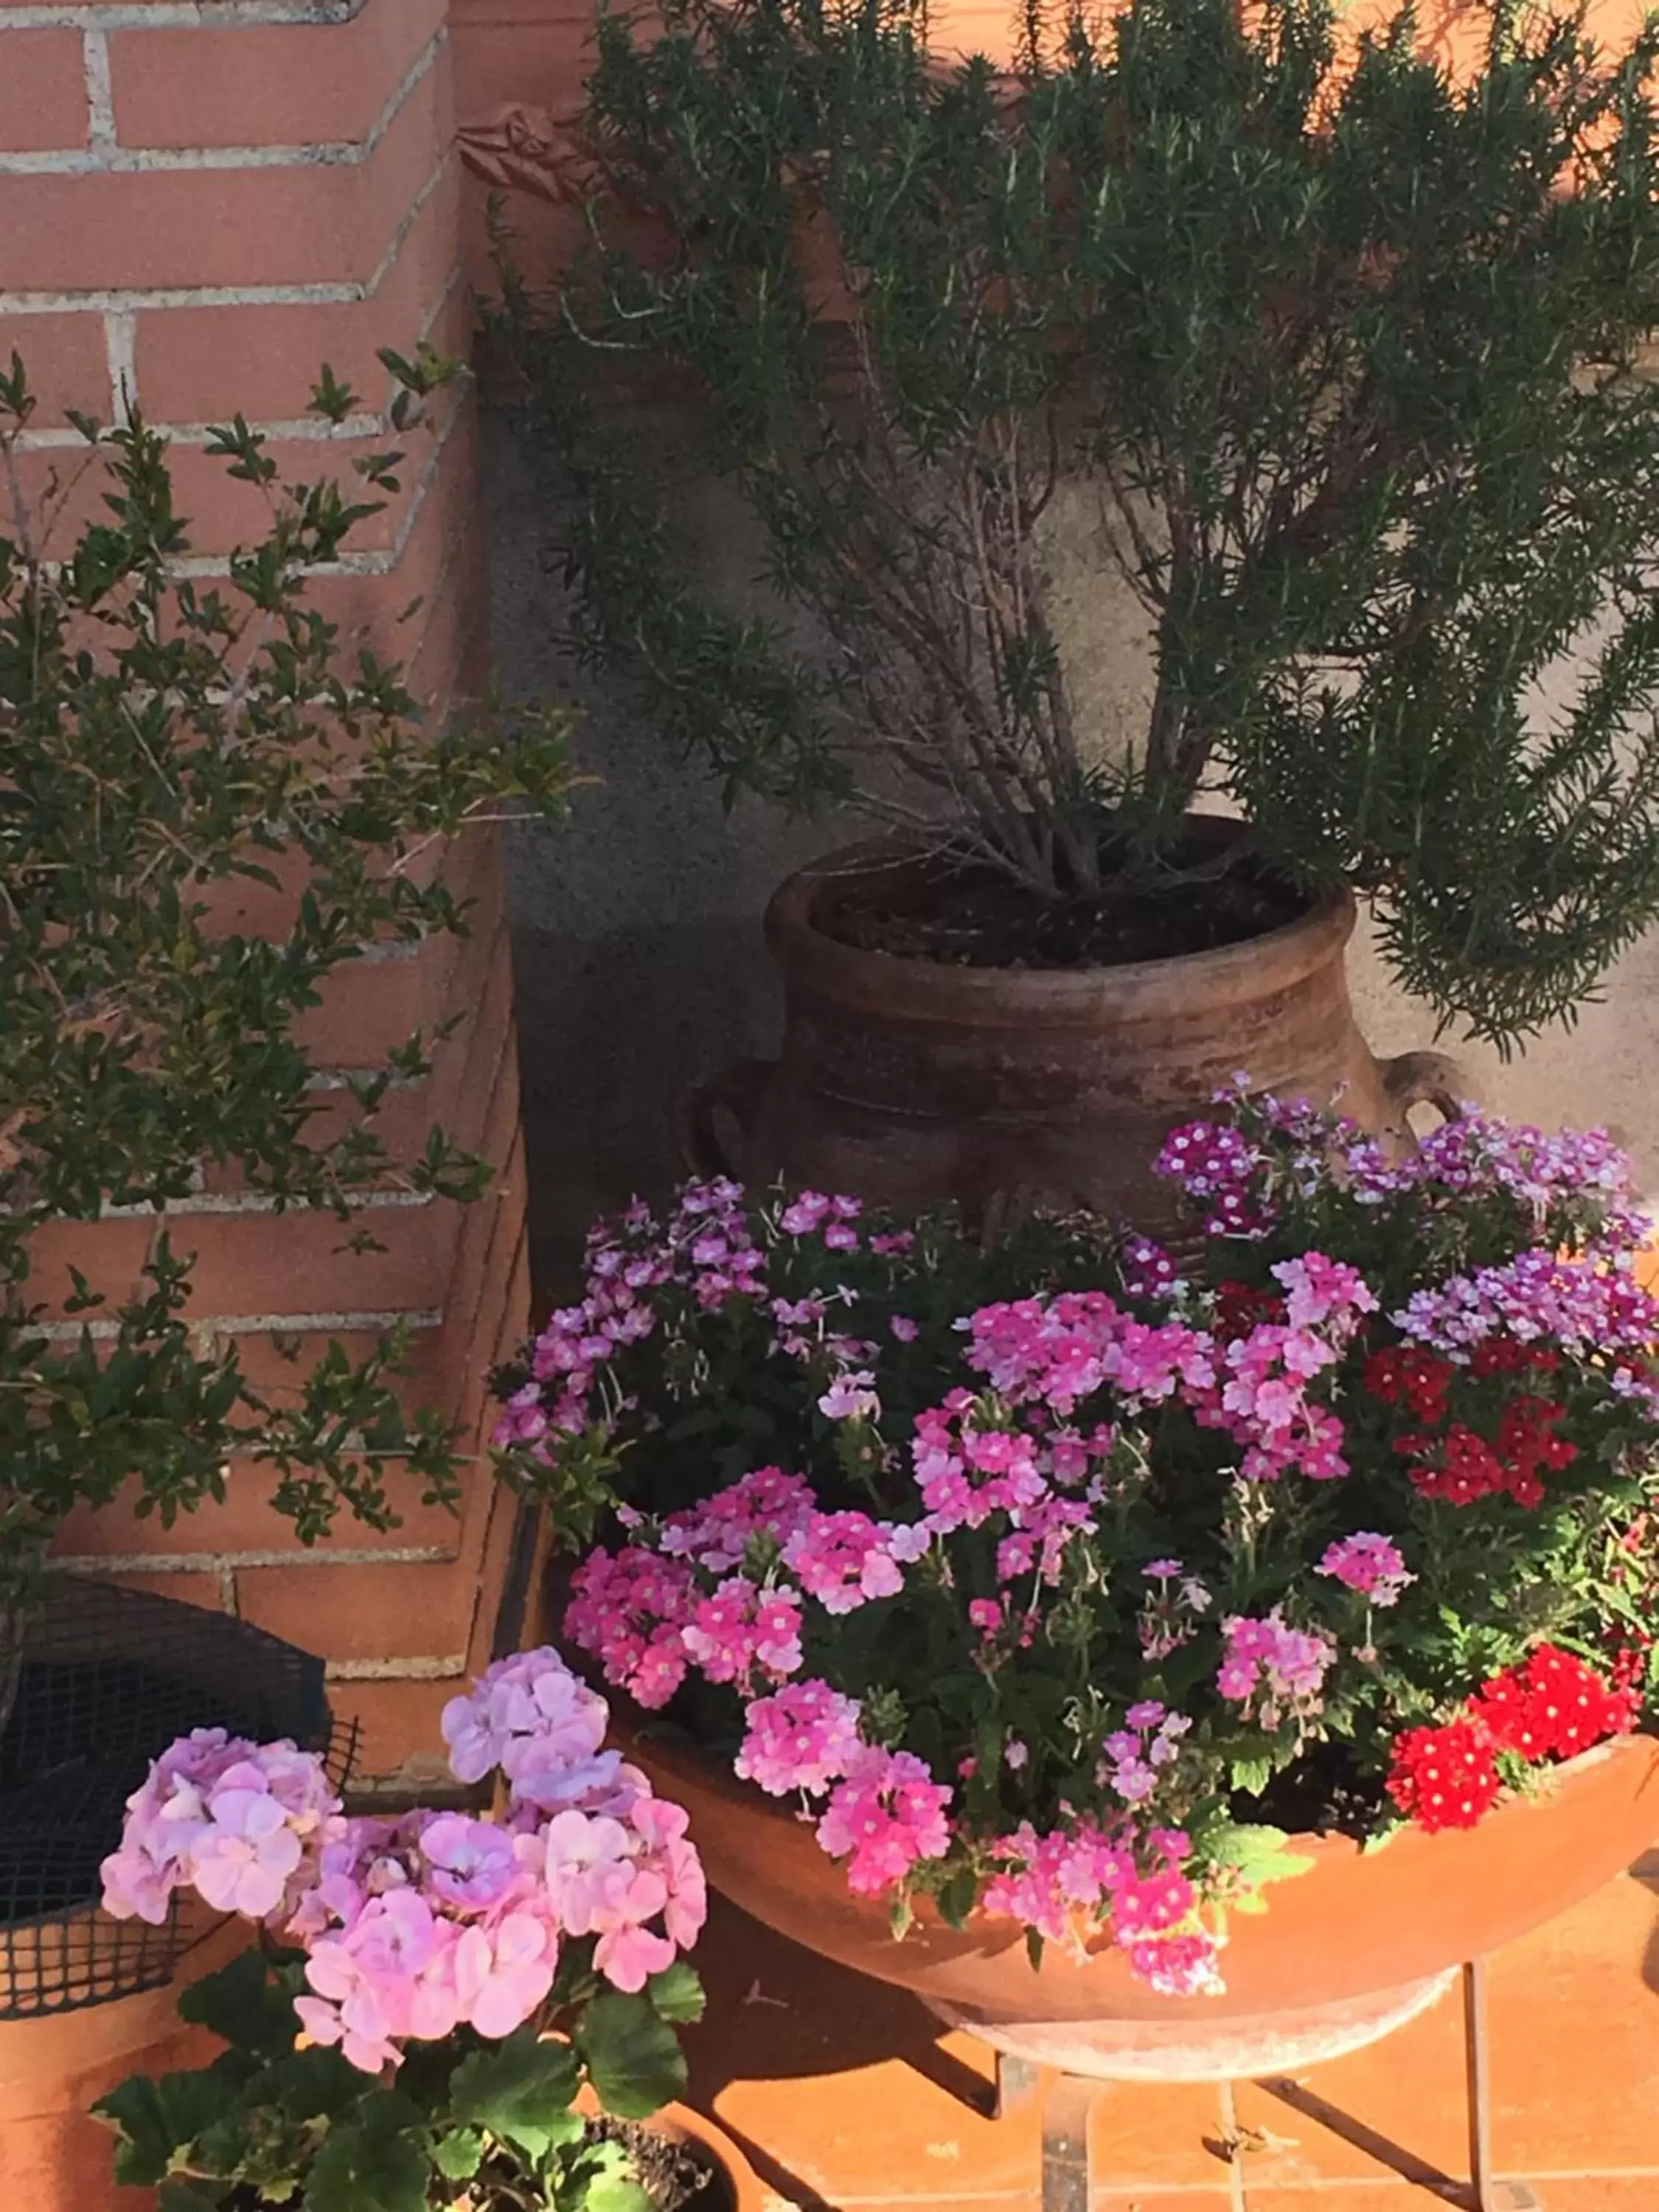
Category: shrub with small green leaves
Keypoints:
(166, 738)
(1346, 356)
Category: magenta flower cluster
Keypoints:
(706, 1254)
(415, 1924)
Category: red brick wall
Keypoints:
(199, 204)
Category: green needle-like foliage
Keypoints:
(1349, 350)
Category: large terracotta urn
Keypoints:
(1343, 1953)
(908, 1082)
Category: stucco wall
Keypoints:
(640, 963)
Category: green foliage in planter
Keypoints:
(465, 2120)
(1344, 364)
(166, 739)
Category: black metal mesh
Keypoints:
(109, 1677)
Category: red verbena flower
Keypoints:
(1239, 1308)
(1573, 1703)
(1444, 1778)
(1411, 1376)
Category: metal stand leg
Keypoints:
(1016, 2084)
(1488, 2194)
(1065, 2143)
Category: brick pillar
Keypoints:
(199, 204)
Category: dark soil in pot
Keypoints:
(977, 918)
(677, 2174)
(1319, 1795)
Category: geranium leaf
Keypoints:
(634, 2059)
(675, 1994)
(521, 2090)
(459, 2154)
(374, 2164)
(246, 2004)
(158, 2116)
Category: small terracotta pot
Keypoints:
(53, 2156)
(1345, 1952)
(908, 1082)
(681, 2125)
(749, 2194)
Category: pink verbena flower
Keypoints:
(1324, 1294)
(742, 1627)
(852, 1397)
(888, 1812)
(1284, 1667)
(803, 1737)
(843, 1560)
(1370, 1564)
(717, 1533)
(628, 1610)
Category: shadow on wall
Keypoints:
(612, 1028)
(639, 959)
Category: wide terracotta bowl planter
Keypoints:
(907, 1081)
(1343, 1952)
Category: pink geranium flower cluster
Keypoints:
(414, 1925)
(233, 1820)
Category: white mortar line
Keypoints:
(395, 1670)
(258, 1202)
(173, 14)
(101, 98)
(371, 1322)
(304, 429)
(105, 157)
(342, 1079)
(120, 346)
(129, 300)
(322, 1555)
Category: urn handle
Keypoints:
(736, 1090)
(1427, 1078)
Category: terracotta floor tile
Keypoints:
(1596, 2192)
(847, 2095)
(1575, 2042)
(1575, 2058)
(844, 2092)
(1349, 2197)
(1215, 2199)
